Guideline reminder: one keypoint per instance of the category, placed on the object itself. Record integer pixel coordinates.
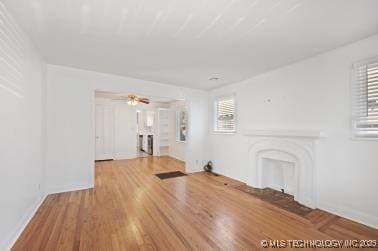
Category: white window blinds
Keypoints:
(225, 120)
(365, 103)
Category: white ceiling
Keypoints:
(186, 42)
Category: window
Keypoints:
(224, 119)
(365, 99)
(181, 125)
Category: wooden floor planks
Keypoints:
(132, 209)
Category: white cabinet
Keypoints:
(146, 122)
(149, 119)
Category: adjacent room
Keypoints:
(130, 126)
(188, 125)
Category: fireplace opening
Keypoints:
(278, 175)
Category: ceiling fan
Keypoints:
(133, 99)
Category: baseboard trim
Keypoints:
(124, 156)
(175, 157)
(69, 189)
(8, 244)
(224, 173)
(348, 213)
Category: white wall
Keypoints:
(197, 147)
(21, 136)
(176, 148)
(312, 94)
(70, 122)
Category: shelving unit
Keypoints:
(163, 133)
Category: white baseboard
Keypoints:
(229, 175)
(175, 157)
(69, 189)
(124, 156)
(20, 227)
(348, 213)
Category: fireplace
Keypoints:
(284, 160)
(278, 174)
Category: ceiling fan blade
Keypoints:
(144, 99)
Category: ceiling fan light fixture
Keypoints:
(132, 102)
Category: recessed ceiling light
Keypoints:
(213, 79)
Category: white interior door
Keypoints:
(125, 141)
(104, 132)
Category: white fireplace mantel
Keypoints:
(297, 146)
(286, 133)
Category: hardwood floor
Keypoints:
(132, 209)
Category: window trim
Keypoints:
(353, 84)
(177, 113)
(215, 114)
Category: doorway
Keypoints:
(127, 129)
